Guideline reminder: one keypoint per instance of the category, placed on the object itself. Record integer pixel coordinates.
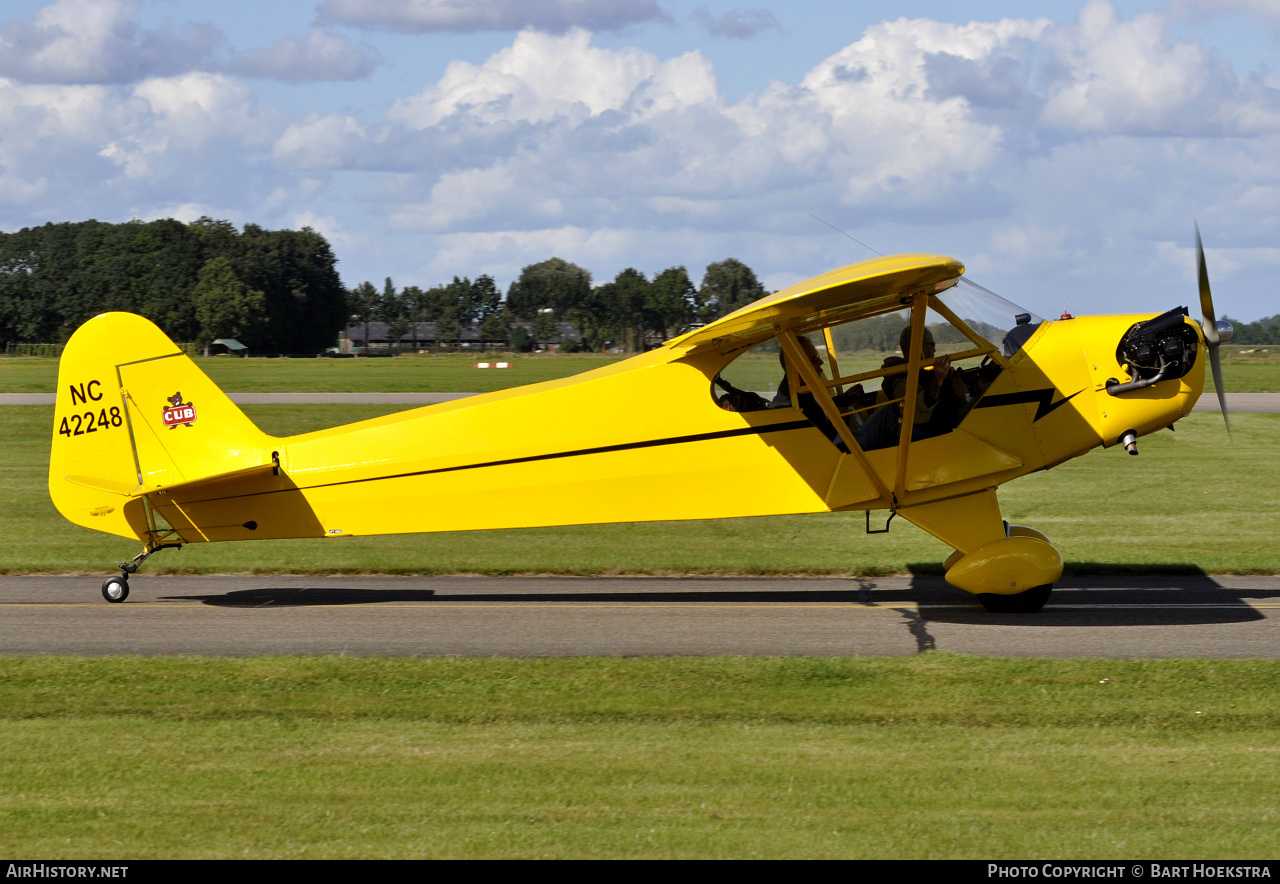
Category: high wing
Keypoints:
(846, 293)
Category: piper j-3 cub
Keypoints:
(742, 417)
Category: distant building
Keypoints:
(226, 346)
(423, 334)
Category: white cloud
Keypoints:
(505, 251)
(1058, 159)
(327, 226)
(1103, 74)
(541, 77)
(327, 142)
(96, 41)
(115, 152)
(318, 57)
(184, 212)
(1128, 76)
(557, 16)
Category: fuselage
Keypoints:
(644, 440)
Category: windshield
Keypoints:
(984, 311)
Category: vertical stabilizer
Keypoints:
(133, 415)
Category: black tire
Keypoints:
(115, 589)
(1028, 602)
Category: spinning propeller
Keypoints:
(1215, 332)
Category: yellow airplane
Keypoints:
(145, 445)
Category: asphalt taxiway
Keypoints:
(1180, 616)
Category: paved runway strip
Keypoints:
(1195, 616)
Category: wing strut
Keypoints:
(814, 385)
(831, 357)
(919, 304)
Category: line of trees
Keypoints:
(629, 311)
(1262, 331)
(276, 291)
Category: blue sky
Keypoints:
(1060, 149)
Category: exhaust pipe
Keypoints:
(1129, 439)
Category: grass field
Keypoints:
(1246, 370)
(399, 374)
(925, 757)
(1191, 500)
(934, 756)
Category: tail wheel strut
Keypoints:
(116, 589)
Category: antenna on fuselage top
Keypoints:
(842, 233)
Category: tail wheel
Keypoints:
(1027, 602)
(115, 589)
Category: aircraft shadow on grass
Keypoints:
(1182, 594)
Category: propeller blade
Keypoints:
(1206, 297)
(1216, 363)
(1212, 338)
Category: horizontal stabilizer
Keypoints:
(124, 489)
(134, 490)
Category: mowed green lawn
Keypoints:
(1192, 500)
(927, 757)
(398, 374)
(1246, 370)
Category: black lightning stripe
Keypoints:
(1044, 398)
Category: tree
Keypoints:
(670, 304)
(544, 326)
(554, 283)
(458, 295)
(362, 301)
(225, 307)
(727, 286)
(624, 301)
(493, 328)
(295, 269)
(520, 340)
(389, 308)
(1261, 331)
(448, 329)
(591, 317)
(486, 299)
(397, 329)
(54, 277)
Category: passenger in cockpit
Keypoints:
(810, 407)
(939, 403)
(742, 400)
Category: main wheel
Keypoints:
(115, 589)
(1027, 602)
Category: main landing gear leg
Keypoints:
(116, 589)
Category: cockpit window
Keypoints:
(751, 381)
(995, 318)
(863, 366)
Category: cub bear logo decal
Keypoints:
(178, 412)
